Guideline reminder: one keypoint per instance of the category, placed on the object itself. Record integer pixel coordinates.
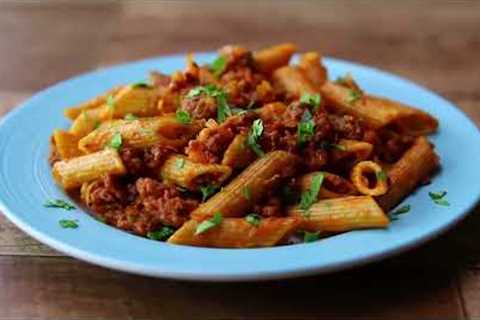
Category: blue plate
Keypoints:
(26, 183)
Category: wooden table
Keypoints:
(434, 43)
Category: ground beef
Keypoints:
(200, 107)
(146, 161)
(393, 147)
(108, 194)
(273, 207)
(346, 127)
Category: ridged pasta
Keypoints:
(369, 178)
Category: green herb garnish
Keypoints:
(402, 210)
(305, 128)
(310, 196)
(116, 141)
(161, 235)
(310, 236)
(68, 224)
(207, 191)
(247, 193)
(180, 163)
(218, 66)
(59, 203)
(254, 135)
(140, 84)
(439, 198)
(96, 124)
(313, 100)
(111, 102)
(130, 117)
(353, 96)
(253, 219)
(223, 109)
(209, 223)
(183, 117)
(381, 175)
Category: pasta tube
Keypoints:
(292, 81)
(141, 133)
(87, 121)
(73, 112)
(415, 166)
(352, 150)
(66, 144)
(237, 155)
(342, 214)
(269, 59)
(258, 178)
(313, 69)
(74, 172)
(379, 112)
(181, 171)
(369, 178)
(333, 186)
(236, 233)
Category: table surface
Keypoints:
(433, 43)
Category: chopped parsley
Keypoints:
(310, 236)
(183, 116)
(305, 128)
(253, 219)
(381, 175)
(254, 135)
(218, 66)
(180, 163)
(312, 100)
(59, 203)
(310, 196)
(247, 193)
(116, 141)
(96, 124)
(130, 117)
(353, 96)
(207, 191)
(439, 198)
(223, 109)
(402, 210)
(209, 223)
(161, 235)
(140, 84)
(68, 224)
(111, 102)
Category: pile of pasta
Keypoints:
(247, 151)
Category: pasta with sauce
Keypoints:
(248, 151)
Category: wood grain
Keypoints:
(435, 43)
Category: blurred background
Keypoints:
(435, 43)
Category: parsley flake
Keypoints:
(140, 84)
(209, 223)
(218, 66)
(161, 235)
(305, 128)
(111, 102)
(59, 203)
(180, 163)
(309, 197)
(381, 175)
(253, 219)
(207, 191)
(68, 224)
(223, 109)
(183, 117)
(130, 117)
(353, 96)
(310, 236)
(312, 100)
(247, 193)
(402, 210)
(439, 198)
(254, 135)
(116, 141)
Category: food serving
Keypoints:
(248, 151)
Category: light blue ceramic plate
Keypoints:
(26, 183)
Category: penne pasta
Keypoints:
(353, 151)
(141, 132)
(292, 81)
(236, 233)
(269, 59)
(87, 121)
(179, 170)
(260, 177)
(73, 112)
(378, 112)
(66, 144)
(313, 69)
(369, 178)
(74, 172)
(333, 186)
(342, 214)
(238, 155)
(406, 174)
(140, 101)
